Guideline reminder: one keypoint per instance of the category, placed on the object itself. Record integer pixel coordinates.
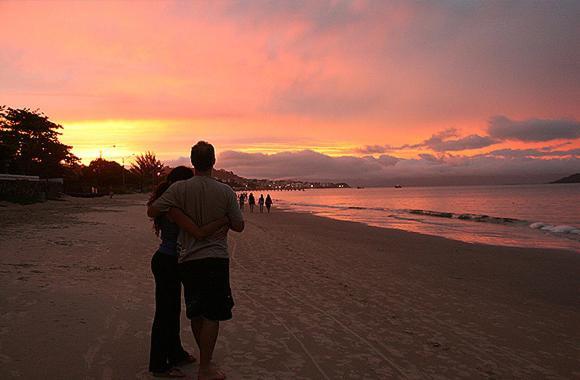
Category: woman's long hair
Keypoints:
(179, 173)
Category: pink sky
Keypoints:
(450, 84)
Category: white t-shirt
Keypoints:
(204, 200)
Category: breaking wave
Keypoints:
(559, 229)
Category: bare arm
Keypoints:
(172, 197)
(237, 226)
(188, 226)
(153, 212)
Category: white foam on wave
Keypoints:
(558, 229)
(563, 229)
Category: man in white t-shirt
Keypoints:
(204, 264)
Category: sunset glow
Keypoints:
(423, 82)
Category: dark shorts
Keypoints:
(206, 288)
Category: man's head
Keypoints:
(202, 156)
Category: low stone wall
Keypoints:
(28, 189)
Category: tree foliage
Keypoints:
(147, 167)
(29, 144)
(101, 172)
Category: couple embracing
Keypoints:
(192, 214)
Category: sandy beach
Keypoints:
(315, 299)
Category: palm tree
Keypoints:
(147, 167)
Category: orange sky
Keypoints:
(268, 77)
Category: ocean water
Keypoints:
(541, 216)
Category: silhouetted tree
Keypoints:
(29, 144)
(147, 168)
(103, 174)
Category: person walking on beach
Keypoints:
(261, 203)
(242, 201)
(204, 263)
(268, 202)
(166, 351)
(251, 202)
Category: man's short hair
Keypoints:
(202, 156)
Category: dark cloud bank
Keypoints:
(498, 167)
(444, 166)
(533, 130)
(500, 129)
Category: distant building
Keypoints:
(29, 189)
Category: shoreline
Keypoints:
(315, 298)
(530, 216)
(425, 235)
(550, 241)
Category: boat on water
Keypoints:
(398, 186)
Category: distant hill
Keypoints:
(241, 183)
(227, 176)
(574, 178)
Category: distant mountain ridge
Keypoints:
(241, 183)
(227, 176)
(574, 178)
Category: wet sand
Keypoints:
(315, 299)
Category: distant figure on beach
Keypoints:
(242, 201)
(251, 202)
(166, 352)
(268, 202)
(261, 203)
(203, 262)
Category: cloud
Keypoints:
(329, 99)
(320, 16)
(428, 169)
(440, 142)
(258, 58)
(541, 152)
(533, 130)
(501, 128)
(180, 161)
(326, 72)
(427, 157)
(302, 164)
(387, 160)
(374, 149)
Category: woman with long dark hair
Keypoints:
(166, 350)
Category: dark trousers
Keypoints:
(166, 348)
